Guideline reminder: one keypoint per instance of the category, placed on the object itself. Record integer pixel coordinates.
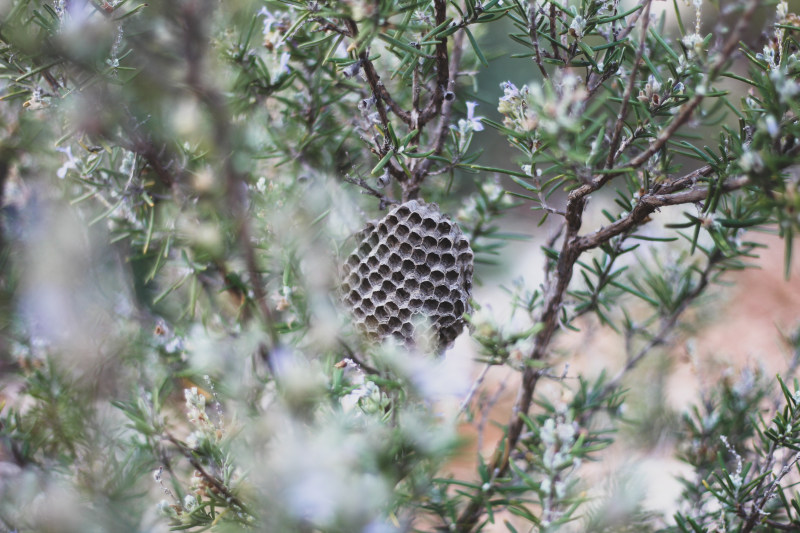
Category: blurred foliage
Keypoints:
(179, 181)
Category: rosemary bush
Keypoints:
(181, 180)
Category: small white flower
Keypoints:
(476, 123)
(70, 164)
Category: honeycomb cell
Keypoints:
(409, 276)
(441, 292)
(448, 260)
(426, 288)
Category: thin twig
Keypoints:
(626, 98)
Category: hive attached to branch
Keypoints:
(410, 277)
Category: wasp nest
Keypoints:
(410, 277)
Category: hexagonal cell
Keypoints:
(384, 270)
(373, 261)
(405, 249)
(428, 242)
(407, 267)
(353, 298)
(392, 308)
(404, 314)
(451, 276)
(381, 313)
(402, 295)
(437, 276)
(388, 287)
(414, 238)
(444, 226)
(394, 261)
(418, 255)
(365, 286)
(395, 323)
(445, 244)
(462, 244)
(368, 306)
(375, 278)
(402, 212)
(423, 271)
(363, 269)
(445, 307)
(426, 288)
(455, 294)
(354, 279)
(407, 330)
(384, 329)
(414, 304)
(430, 305)
(345, 288)
(402, 230)
(353, 261)
(378, 296)
(441, 292)
(392, 242)
(415, 219)
(432, 259)
(398, 277)
(359, 312)
(411, 284)
(364, 249)
(459, 308)
(382, 250)
(382, 229)
(371, 322)
(428, 224)
(448, 260)
(390, 220)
